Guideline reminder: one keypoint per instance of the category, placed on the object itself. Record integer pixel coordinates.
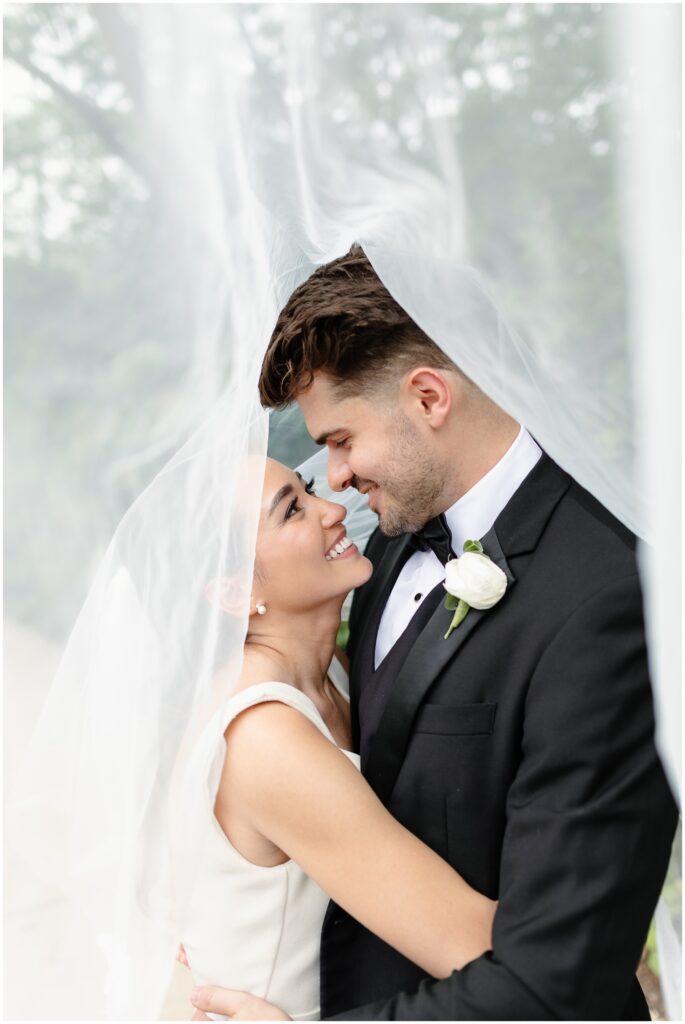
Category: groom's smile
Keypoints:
(371, 494)
(375, 447)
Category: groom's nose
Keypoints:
(339, 473)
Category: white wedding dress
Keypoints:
(256, 928)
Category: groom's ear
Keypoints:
(430, 393)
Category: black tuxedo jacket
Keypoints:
(522, 751)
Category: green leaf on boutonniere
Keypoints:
(451, 603)
(460, 614)
(473, 545)
(343, 635)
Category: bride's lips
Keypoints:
(341, 536)
(352, 550)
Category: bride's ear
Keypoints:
(222, 592)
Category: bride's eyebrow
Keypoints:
(278, 497)
(282, 493)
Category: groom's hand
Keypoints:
(234, 1005)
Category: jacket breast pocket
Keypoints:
(456, 720)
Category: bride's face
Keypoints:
(304, 557)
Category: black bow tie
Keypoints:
(436, 536)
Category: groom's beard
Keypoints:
(413, 483)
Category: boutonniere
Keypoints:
(472, 581)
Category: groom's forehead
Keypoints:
(325, 415)
(318, 407)
(319, 395)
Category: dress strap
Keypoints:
(260, 693)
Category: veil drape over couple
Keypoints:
(369, 734)
(461, 816)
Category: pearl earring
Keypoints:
(261, 609)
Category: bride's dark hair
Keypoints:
(344, 321)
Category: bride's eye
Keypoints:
(293, 507)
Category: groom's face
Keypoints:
(378, 450)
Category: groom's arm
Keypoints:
(590, 822)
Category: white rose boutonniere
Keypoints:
(472, 581)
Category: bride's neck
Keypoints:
(299, 647)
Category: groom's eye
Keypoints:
(341, 444)
(309, 487)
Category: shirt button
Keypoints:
(417, 597)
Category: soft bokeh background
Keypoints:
(108, 366)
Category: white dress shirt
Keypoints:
(468, 519)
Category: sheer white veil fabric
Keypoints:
(252, 130)
(646, 48)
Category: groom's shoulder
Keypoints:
(552, 513)
(590, 514)
(590, 533)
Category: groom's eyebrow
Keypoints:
(322, 438)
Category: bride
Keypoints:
(295, 822)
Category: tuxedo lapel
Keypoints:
(517, 530)
(426, 660)
(385, 575)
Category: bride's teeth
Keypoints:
(341, 546)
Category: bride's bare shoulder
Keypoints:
(272, 753)
(270, 738)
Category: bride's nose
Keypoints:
(333, 513)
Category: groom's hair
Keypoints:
(344, 322)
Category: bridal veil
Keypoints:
(511, 172)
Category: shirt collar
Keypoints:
(474, 513)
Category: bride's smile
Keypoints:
(342, 548)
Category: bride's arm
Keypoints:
(301, 793)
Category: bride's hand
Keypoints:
(234, 1005)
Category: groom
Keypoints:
(520, 748)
